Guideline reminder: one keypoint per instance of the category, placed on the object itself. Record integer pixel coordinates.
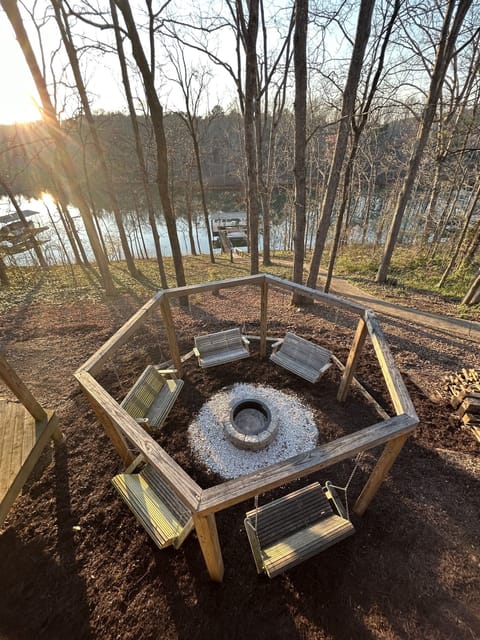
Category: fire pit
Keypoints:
(251, 425)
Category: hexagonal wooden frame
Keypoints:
(204, 503)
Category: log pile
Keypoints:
(464, 390)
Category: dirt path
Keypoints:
(451, 326)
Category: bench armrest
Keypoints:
(196, 352)
(277, 344)
(143, 422)
(166, 372)
(245, 340)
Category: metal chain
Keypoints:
(345, 488)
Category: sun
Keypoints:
(47, 199)
(18, 108)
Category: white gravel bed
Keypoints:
(297, 431)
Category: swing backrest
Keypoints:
(289, 514)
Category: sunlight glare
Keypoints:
(47, 199)
(19, 97)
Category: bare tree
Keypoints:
(299, 168)
(468, 218)
(445, 50)
(473, 294)
(249, 30)
(50, 117)
(64, 28)
(138, 145)
(147, 72)
(348, 108)
(358, 123)
(193, 85)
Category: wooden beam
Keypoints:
(207, 535)
(94, 363)
(116, 436)
(313, 294)
(396, 387)
(361, 389)
(353, 357)
(240, 489)
(171, 336)
(263, 318)
(379, 473)
(215, 285)
(21, 391)
(180, 482)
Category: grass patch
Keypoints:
(411, 275)
(409, 269)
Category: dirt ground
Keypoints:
(75, 564)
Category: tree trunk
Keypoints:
(11, 9)
(299, 168)
(472, 247)
(468, 217)
(348, 109)
(138, 147)
(62, 22)
(3, 273)
(249, 132)
(341, 213)
(445, 51)
(196, 150)
(188, 211)
(156, 114)
(473, 294)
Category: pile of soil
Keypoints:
(75, 564)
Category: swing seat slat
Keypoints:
(294, 528)
(221, 347)
(152, 396)
(156, 507)
(301, 357)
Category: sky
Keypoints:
(18, 94)
(18, 97)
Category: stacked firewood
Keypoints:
(464, 390)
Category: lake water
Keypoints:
(55, 241)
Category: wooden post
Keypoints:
(379, 473)
(115, 436)
(171, 337)
(207, 534)
(21, 391)
(353, 356)
(263, 318)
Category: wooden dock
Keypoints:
(22, 440)
(25, 428)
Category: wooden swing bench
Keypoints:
(154, 504)
(305, 359)
(294, 528)
(25, 430)
(153, 395)
(222, 347)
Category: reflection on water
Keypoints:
(55, 243)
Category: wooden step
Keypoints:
(156, 507)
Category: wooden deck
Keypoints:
(22, 440)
